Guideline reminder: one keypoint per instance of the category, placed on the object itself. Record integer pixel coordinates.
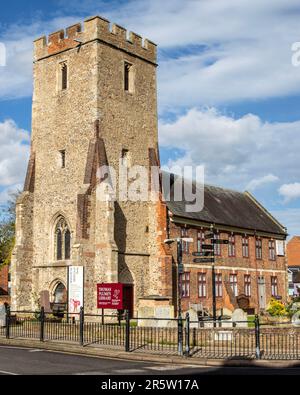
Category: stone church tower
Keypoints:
(94, 103)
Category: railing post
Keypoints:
(81, 326)
(257, 337)
(180, 335)
(194, 338)
(7, 322)
(127, 336)
(42, 321)
(187, 335)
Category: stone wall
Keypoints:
(93, 121)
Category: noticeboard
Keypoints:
(110, 296)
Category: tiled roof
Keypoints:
(230, 208)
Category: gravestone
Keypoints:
(2, 316)
(296, 319)
(45, 301)
(194, 319)
(240, 315)
(155, 311)
(243, 301)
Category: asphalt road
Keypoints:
(25, 361)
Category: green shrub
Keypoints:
(276, 308)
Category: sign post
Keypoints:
(207, 255)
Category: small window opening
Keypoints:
(63, 158)
(127, 76)
(126, 158)
(64, 77)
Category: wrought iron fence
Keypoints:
(107, 330)
(150, 334)
(2, 331)
(279, 341)
(223, 342)
(205, 339)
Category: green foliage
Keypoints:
(277, 308)
(7, 230)
(293, 306)
(251, 319)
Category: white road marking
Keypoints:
(92, 374)
(172, 367)
(15, 347)
(36, 350)
(9, 373)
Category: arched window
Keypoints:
(67, 244)
(62, 240)
(58, 245)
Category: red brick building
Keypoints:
(293, 261)
(249, 270)
(293, 252)
(4, 277)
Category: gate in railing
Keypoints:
(206, 339)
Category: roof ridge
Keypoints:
(207, 184)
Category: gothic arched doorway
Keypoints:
(60, 299)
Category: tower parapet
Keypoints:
(95, 28)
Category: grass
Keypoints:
(251, 319)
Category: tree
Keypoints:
(7, 230)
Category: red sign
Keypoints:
(110, 296)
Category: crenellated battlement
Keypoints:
(95, 28)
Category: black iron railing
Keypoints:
(205, 339)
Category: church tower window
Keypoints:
(62, 240)
(128, 78)
(64, 76)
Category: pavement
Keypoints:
(31, 357)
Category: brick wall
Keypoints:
(237, 265)
(293, 251)
(4, 280)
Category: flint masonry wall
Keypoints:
(112, 241)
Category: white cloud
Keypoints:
(234, 151)
(212, 52)
(289, 217)
(7, 193)
(290, 191)
(16, 76)
(14, 152)
(261, 181)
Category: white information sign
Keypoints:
(75, 288)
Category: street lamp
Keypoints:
(179, 282)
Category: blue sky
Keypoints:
(229, 96)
